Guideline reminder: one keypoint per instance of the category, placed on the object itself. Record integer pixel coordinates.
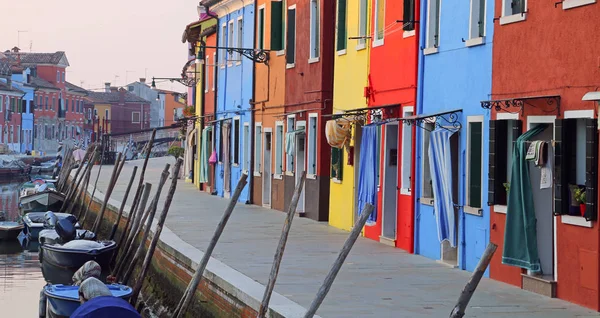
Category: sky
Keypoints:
(116, 41)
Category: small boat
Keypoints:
(72, 255)
(10, 230)
(34, 223)
(10, 248)
(51, 236)
(47, 200)
(63, 300)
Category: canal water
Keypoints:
(20, 275)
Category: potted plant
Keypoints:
(176, 152)
(580, 197)
(506, 186)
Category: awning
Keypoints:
(519, 102)
(593, 96)
(290, 140)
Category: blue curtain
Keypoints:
(440, 162)
(367, 171)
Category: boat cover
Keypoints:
(105, 306)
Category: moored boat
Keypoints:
(62, 301)
(34, 223)
(10, 230)
(47, 200)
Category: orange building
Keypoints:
(171, 107)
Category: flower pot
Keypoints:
(582, 208)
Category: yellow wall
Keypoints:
(100, 108)
(350, 79)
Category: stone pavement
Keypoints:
(375, 281)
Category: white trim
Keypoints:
(257, 172)
(341, 52)
(475, 41)
(570, 4)
(214, 81)
(471, 16)
(405, 110)
(507, 116)
(473, 119)
(276, 175)
(427, 27)
(308, 144)
(500, 208)
(578, 114)
(288, 66)
(430, 50)
(377, 42)
(513, 18)
(575, 220)
(313, 60)
(239, 37)
(318, 34)
(360, 46)
(407, 34)
(280, 53)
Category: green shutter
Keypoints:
(561, 176)
(341, 27)
(290, 54)
(261, 29)
(497, 162)
(276, 25)
(475, 154)
(591, 168)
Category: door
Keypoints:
(267, 174)
(390, 187)
(357, 139)
(449, 253)
(300, 167)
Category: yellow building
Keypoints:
(350, 80)
(104, 112)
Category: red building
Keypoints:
(543, 82)
(118, 111)
(394, 48)
(309, 49)
(10, 106)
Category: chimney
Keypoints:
(107, 87)
(114, 89)
(122, 93)
(143, 80)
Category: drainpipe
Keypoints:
(253, 119)
(215, 76)
(202, 110)
(420, 80)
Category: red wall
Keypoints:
(555, 56)
(397, 56)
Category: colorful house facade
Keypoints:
(350, 79)
(560, 109)
(10, 109)
(269, 160)
(451, 215)
(234, 83)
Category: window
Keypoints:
(477, 20)
(277, 25)
(406, 171)
(206, 75)
(433, 24)
(290, 156)
(240, 37)
(290, 56)
(135, 117)
(427, 186)
(337, 163)
(341, 26)
(258, 148)
(1, 101)
(95, 113)
(363, 21)
(66, 105)
(261, 27)
(503, 135)
(106, 114)
(214, 81)
(379, 22)
(312, 144)
(57, 76)
(246, 137)
(63, 77)
(409, 15)
(89, 114)
(81, 106)
(230, 42)
(236, 141)
(46, 102)
(279, 149)
(53, 103)
(223, 43)
(12, 104)
(130, 88)
(475, 159)
(511, 7)
(12, 133)
(315, 25)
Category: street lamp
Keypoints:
(256, 55)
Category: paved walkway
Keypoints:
(376, 280)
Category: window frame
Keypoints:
(206, 74)
(246, 137)
(378, 41)
(501, 208)
(289, 158)
(261, 26)
(289, 8)
(427, 200)
(258, 131)
(279, 143)
(475, 38)
(310, 132)
(223, 44)
(405, 113)
(230, 38)
(236, 129)
(507, 17)
(363, 24)
(239, 38)
(432, 40)
(467, 208)
(132, 118)
(341, 51)
(315, 45)
(215, 68)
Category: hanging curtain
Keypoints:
(189, 152)
(226, 168)
(290, 140)
(204, 155)
(440, 163)
(520, 234)
(367, 171)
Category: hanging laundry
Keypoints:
(289, 142)
(367, 172)
(338, 132)
(541, 153)
(204, 155)
(546, 177)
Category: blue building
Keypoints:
(233, 116)
(455, 73)
(20, 81)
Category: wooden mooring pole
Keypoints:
(191, 288)
(109, 189)
(469, 290)
(71, 187)
(337, 265)
(95, 185)
(159, 226)
(86, 172)
(120, 214)
(287, 225)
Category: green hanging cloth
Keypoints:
(520, 235)
(204, 155)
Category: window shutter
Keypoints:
(290, 54)
(409, 11)
(495, 189)
(591, 168)
(481, 22)
(276, 25)
(561, 175)
(341, 27)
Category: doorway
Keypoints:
(450, 254)
(267, 175)
(357, 142)
(300, 167)
(543, 199)
(390, 187)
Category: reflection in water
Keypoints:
(20, 275)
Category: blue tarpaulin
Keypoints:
(367, 171)
(105, 307)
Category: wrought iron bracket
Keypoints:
(256, 55)
(507, 104)
(445, 120)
